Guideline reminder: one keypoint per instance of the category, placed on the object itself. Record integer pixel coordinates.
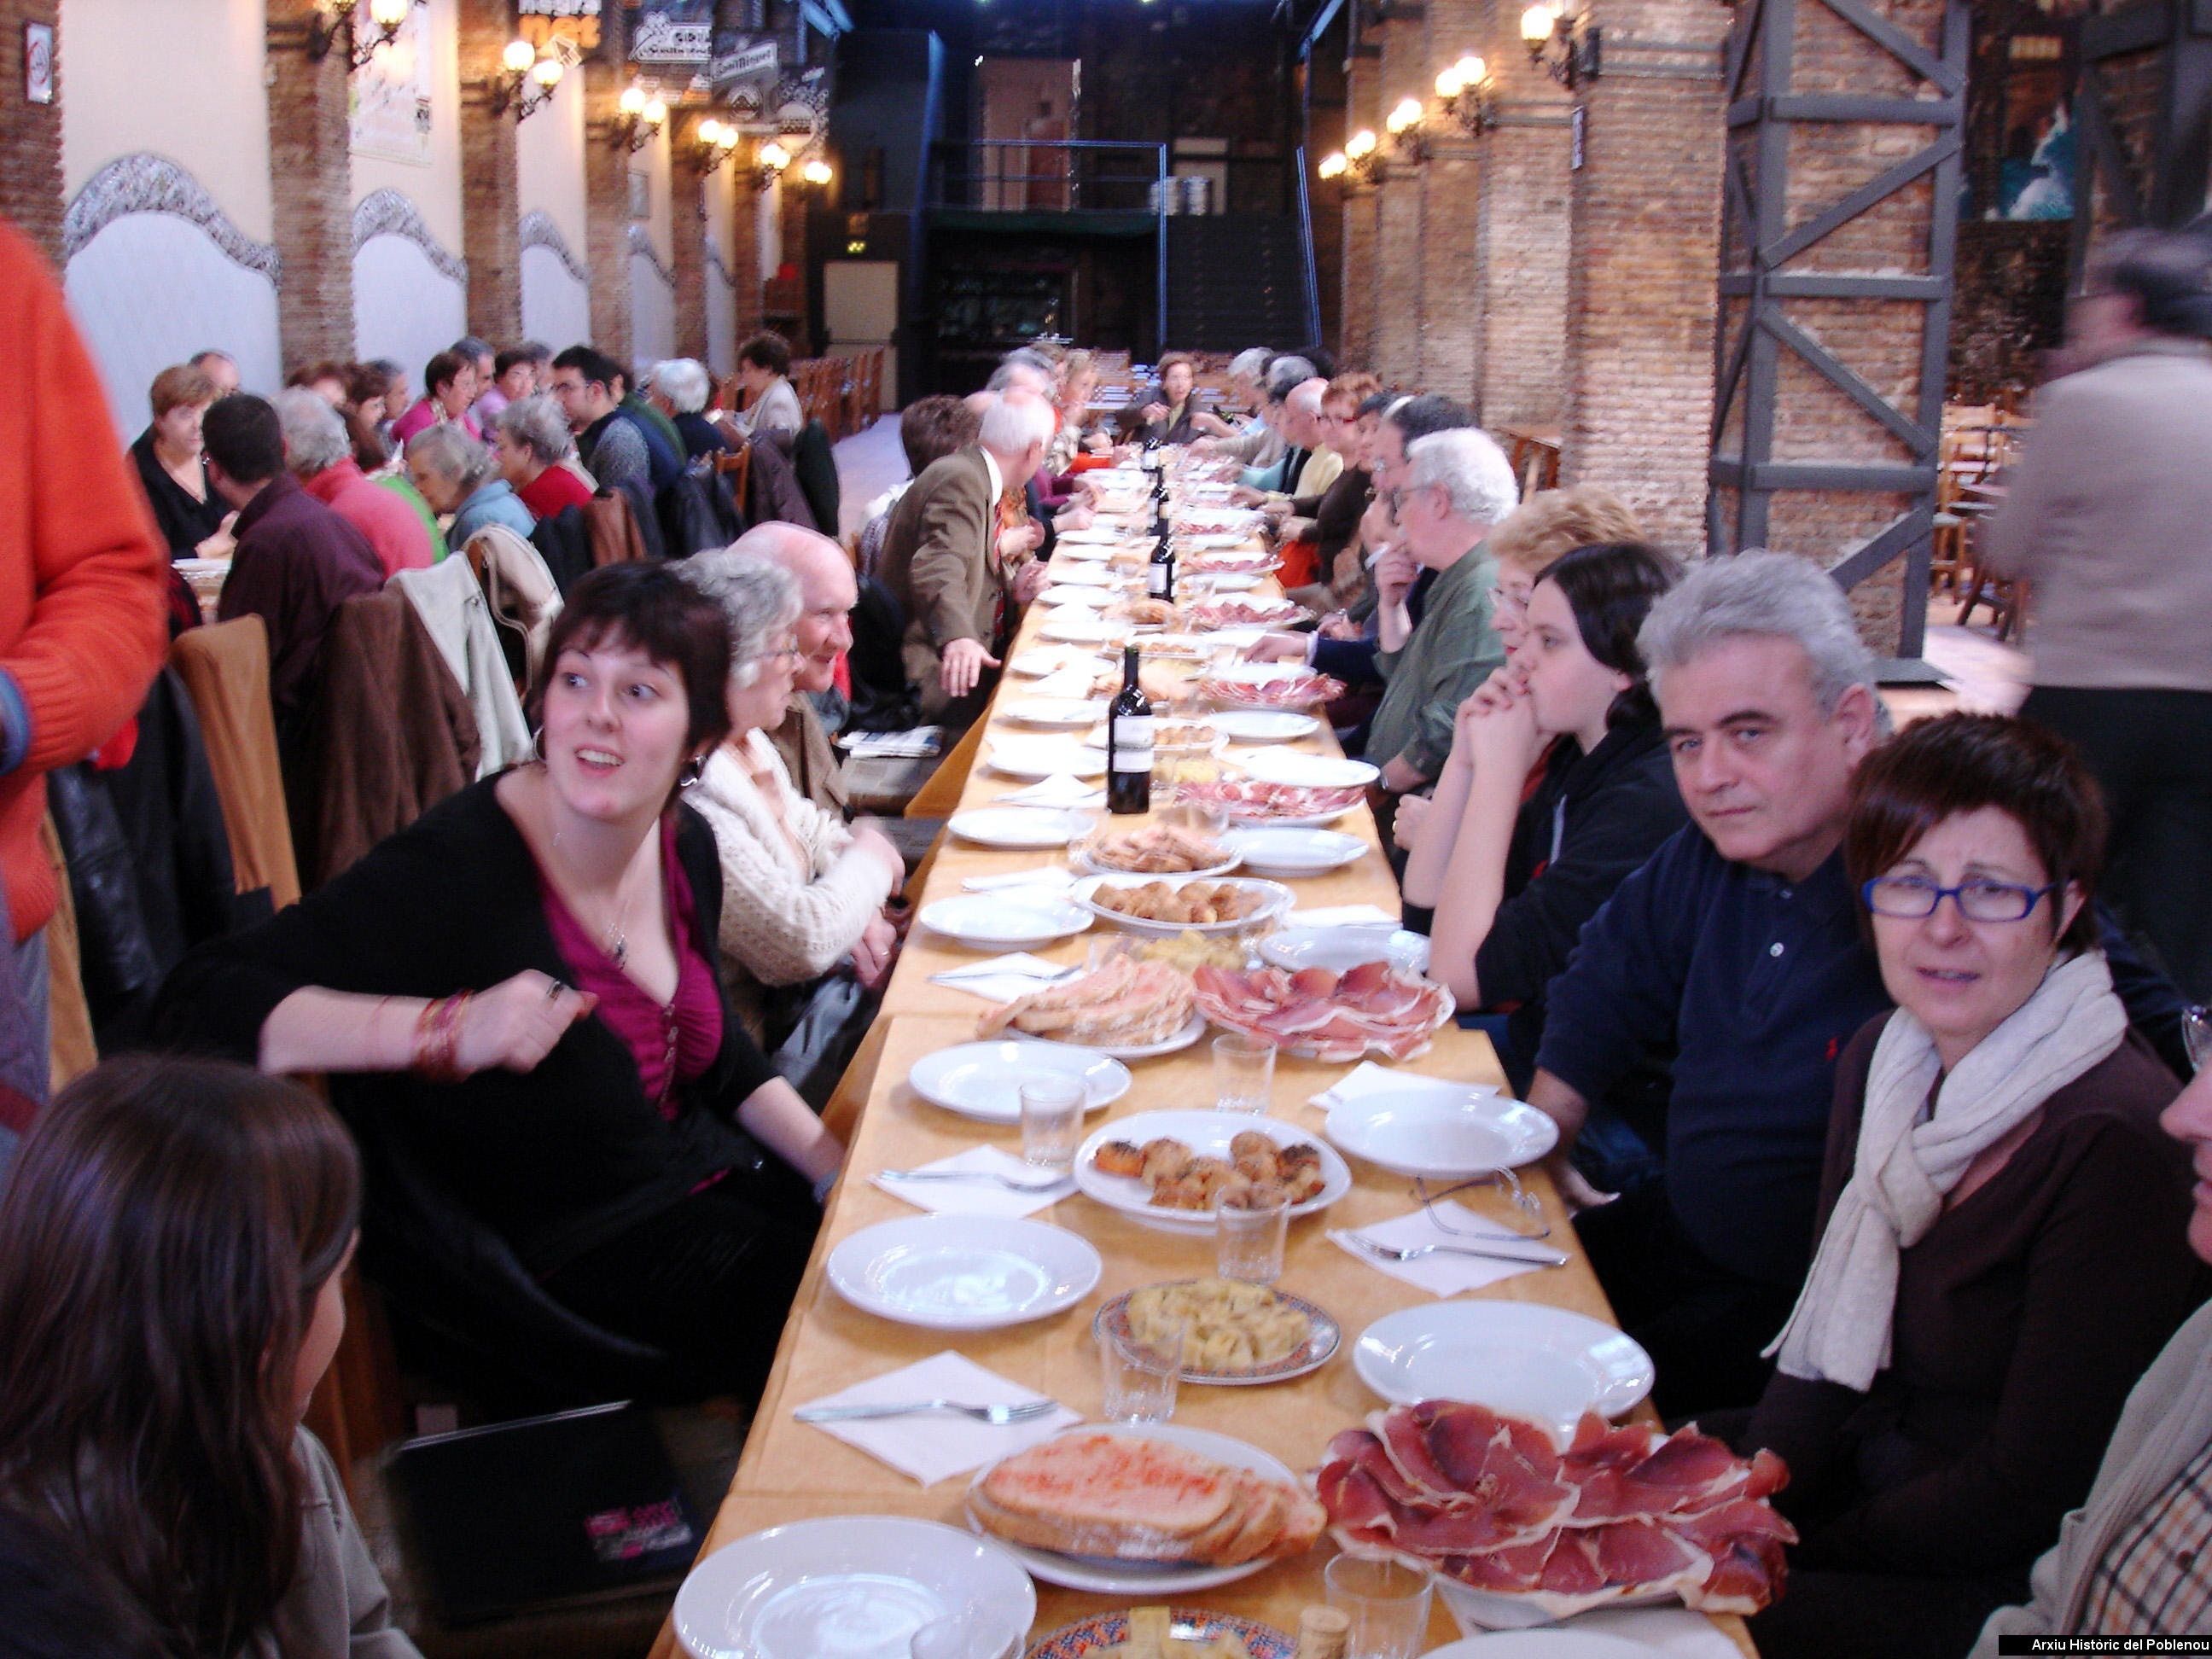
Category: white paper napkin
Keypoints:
(1071, 683)
(1670, 1630)
(1000, 979)
(1046, 878)
(977, 1197)
(1341, 915)
(930, 1446)
(1061, 789)
(1367, 1078)
(1439, 1275)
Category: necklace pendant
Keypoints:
(619, 949)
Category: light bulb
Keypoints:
(633, 100)
(816, 171)
(1536, 25)
(1408, 114)
(1470, 70)
(1448, 84)
(710, 131)
(1333, 165)
(519, 56)
(389, 14)
(726, 139)
(547, 72)
(774, 156)
(655, 115)
(1361, 142)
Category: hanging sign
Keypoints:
(673, 32)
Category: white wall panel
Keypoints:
(403, 306)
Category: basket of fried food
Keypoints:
(1168, 905)
(1178, 1176)
(1145, 612)
(1126, 1003)
(1155, 849)
(1174, 737)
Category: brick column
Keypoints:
(1401, 209)
(1521, 262)
(607, 210)
(30, 134)
(311, 187)
(687, 221)
(1356, 324)
(1451, 204)
(490, 208)
(745, 272)
(1640, 305)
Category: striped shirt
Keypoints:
(2156, 1579)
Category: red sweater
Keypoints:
(82, 582)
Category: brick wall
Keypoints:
(31, 134)
(1643, 266)
(489, 208)
(607, 210)
(310, 176)
(1521, 282)
(688, 231)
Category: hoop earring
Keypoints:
(536, 756)
(690, 772)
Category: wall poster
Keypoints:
(391, 97)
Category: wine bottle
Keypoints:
(1159, 569)
(1129, 743)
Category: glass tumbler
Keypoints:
(1386, 1601)
(1052, 1122)
(1139, 1374)
(1243, 1074)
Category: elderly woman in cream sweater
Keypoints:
(803, 893)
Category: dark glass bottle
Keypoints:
(1129, 743)
(1159, 570)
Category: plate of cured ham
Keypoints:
(1547, 1526)
(1321, 1014)
(1289, 805)
(1245, 613)
(1302, 689)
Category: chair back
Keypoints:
(225, 669)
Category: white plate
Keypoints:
(1024, 758)
(1339, 948)
(1268, 850)
(1521, 1358)
(984, 1079)
(1003, 922)
(1181, 1037)
(1054, 711)
(1275, 899)
(1560, 1643)
(1450, 1133)
(1228, 582)
(1309, 771)
(1082, 629)
(1143, 1578)
(1207, 1133)
(1260, 673)
(1019, 827)
(802, 1590)
(1265, 725)
(1082, 573)
(963, 1272)
(1095, 599)
(1040, 660)
(1088, 861)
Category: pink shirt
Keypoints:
(424, 413)
(392, 526)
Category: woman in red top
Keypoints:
(538, 457)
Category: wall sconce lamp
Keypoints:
(639, 116)
(768, 162)
(1464, 89)
(1356, 163)
(333, 18)
(1403, 123)
(1567, 46)
(713, 143)
(525, 82)
(816, 175)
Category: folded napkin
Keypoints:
(977, 1197)
(1367, 1078)
(932, 1445)
(1671, 1629)
(1071, 683)
(1439, 1275)
(1002, 978)
(1341, 915)
(1046, 877)
(921, 741)
(1061, 789)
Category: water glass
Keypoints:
(1386, 1601)
(1248, 1238)
(1139, 1374)
(1052, 1122)
(1243, 1074)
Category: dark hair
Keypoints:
(366, 380)
(242, 435)
(164, 1234)
(510, 358)
(1374, 404)
(930, 428)
(471, 346)
(60, 1604)
(311, 372)
(1940, 768)
(652, 608)
(1417, 417)
(370, 448)
(1168, 361)
(2169, 276)
(765, 351)
(443, 370)
(178, 386)
(1609, 586)
(594, 365)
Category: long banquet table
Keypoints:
(790, 1471)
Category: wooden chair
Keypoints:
(735, 468)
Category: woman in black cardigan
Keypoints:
(527, 973)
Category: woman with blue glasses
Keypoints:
(2002, 1219)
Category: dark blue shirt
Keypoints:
(1755, 983)
(1353, 662)
(667, 466)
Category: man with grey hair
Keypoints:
(679, 388)
(1458, 484)
(941, 560)
(318, 452)
(827, 591)
(1022, 369)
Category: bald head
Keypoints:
(1301, 412)
(827, 594)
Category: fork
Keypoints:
(998, 1416)
(1007, 1181)
(1539, 1256)
(954, 975)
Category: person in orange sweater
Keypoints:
(82, 587)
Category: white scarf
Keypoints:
(1909, 1158)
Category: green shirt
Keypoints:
(1453, 651)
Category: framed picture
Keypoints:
(38, 63)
